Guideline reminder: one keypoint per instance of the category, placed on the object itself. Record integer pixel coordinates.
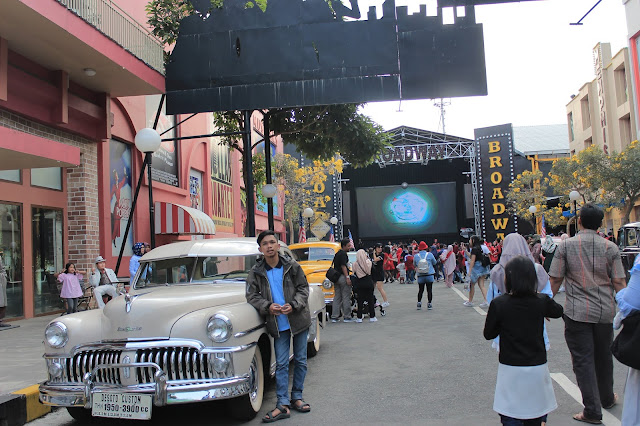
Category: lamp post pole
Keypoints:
(248, 169)
(267, 160)
(574, 196)
(152, 216)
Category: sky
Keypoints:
(534, 59)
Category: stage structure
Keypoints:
(410, 145)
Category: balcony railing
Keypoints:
(116, 24)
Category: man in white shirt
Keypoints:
(103, 281)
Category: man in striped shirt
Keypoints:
(592, 270)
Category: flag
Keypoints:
(351, 239)
(302, 234)
(332, 237)
(543, 231)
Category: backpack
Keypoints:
(423, 265)
(486, 260)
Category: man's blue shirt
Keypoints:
(275, 277)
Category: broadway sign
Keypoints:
(494, 160)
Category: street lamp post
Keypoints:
(148, 141)
(308, 213)
(533, 210)
(269, 191)
(334, 222)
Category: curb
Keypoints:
(22, 406)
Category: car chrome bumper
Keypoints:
(164, 393)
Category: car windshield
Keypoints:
(194, 270)
(631, 237)
(313, 254)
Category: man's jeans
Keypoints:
(411, 275)
(281, 347)
(341, 299)
(590, 347)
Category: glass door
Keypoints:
(11, 254)
(47, 259)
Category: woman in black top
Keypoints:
(523, 387)
(377, 272)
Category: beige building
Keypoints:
(603, 113)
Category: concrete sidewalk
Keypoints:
(22, 369)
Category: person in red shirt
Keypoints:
(411, 267)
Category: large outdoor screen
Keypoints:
(391, 211)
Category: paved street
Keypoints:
(411, 367)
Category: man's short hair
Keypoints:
(344, 242)
(591, 216)
(264, 234)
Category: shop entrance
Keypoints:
(47, 259)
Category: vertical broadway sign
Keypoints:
(494, 159)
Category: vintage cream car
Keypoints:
(184, 333)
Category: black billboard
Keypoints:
(302, 53)
(495, 171)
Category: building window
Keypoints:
(586, 115)
(47, 177)
(570, 122)
(11, 254)
(620, 81)
(10, 175)
(588, 142)
(625, 131)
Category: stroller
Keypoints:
(354, 305)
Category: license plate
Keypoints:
(122, 405)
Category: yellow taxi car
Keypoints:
(315, 259)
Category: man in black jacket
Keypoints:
(277, 287)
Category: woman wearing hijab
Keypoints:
(548, 250)
(448, 259)
(134, 262)
(362, 270)
(515, 245)
(629, 304)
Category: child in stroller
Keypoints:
(365, 308)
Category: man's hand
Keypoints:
(275, 309)
(348, 280)
(286, 309)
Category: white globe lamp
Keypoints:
(269, 190)
(574, 195)
(533, 209)
(334, 220)
(148, 140)
(308, 212)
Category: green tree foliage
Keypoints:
(528, 189)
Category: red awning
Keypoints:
(176, 219)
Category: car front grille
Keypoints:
(179, 363)
(84, 362)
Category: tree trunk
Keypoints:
(627, 210)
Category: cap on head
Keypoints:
(422, 246)
(100, 259)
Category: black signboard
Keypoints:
(494, 162)
(315, 52)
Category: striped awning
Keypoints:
(177, 219)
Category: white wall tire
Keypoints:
(313, 347)
(246, 407)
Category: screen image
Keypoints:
(391, 211)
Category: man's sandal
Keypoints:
(581, 418)
(302, 408)
(270, 418)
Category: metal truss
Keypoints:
(411, 145)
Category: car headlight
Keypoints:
(56, 334)
(327, 283)
(219, 328)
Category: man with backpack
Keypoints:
(425, 269)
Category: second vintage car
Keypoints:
(315, 257)
(184, 333)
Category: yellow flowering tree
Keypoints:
(296, 183)
(528, 189)
(581, 172)
(620, 179)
